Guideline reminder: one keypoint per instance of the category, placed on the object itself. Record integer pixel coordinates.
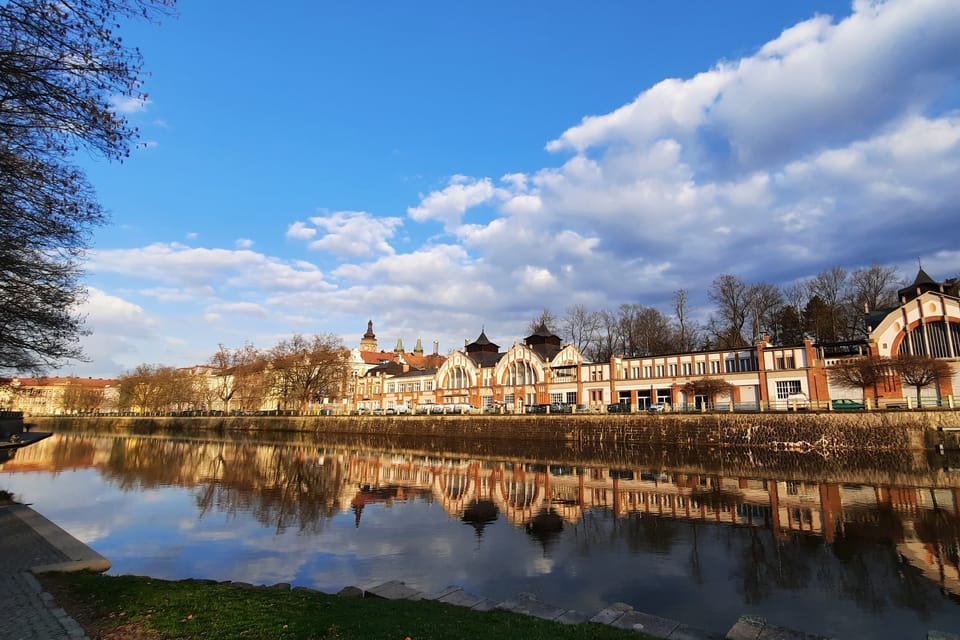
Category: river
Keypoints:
(852, 551)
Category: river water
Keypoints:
(849, 548)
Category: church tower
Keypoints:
(369, 341)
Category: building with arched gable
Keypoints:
(542, 370)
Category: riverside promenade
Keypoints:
(29, 543)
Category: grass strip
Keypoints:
(120, 607)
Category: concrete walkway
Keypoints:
(29, 543)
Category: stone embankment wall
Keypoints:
(870, 431)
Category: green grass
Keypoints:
(106, 605)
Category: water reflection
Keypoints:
(841, 554)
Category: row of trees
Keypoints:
(296, 373)
(830, 307)
(869, 374)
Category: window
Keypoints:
(659, 370)
(701, 368)
(571, 397)
(648, 371)
(673, 370)
(714, 366)
(635, 372)
(556, 398)
(687, 369)
(786, 388)
(731, 365)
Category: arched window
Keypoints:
(458, 378)
(520, 373)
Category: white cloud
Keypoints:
(190, 267)
(300, 231)
(449, 204)
(354, 233)
(238, 308)
(129, 104)
(243, 243)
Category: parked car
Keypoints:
(658, 407)
(618, 408)
(536, 408)
(845, 404)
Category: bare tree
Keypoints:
(61, 63)
(308, 370)
(830, 288)
(732, 297)
(765, 302)
(545, 319)
(81, 398)
(609, 341)
(861, 373)
(687, 330)
(710, 388)
(224, 363)
(921, 371)
(580, 326)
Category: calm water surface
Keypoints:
(855, 553)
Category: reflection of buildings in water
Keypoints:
(539, 498)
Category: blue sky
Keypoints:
(445, 167)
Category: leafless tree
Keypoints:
(81, 398)
(545, 319)
(732, 297)
(308, 370)
(765, 302)
(580, 326)
(709, 387)
(829, 287)
(61, 63)
(874, 287)
(861, 373)
(921, 371)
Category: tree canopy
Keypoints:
(63, 65)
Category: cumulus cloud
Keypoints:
(190, 267)
(300, 231)
(238, 308)
(837, 142)
(450, 203)
(129, 104)
(353, 233)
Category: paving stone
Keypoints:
(686, 632)
(611, 614)
(394, 590)
(572, 616)
(652, 625)
(532, 608)
(461, 598)
(746, 628)
(442, 593)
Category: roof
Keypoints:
(921, 284)
(482, 344)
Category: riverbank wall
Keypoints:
(865, 431)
